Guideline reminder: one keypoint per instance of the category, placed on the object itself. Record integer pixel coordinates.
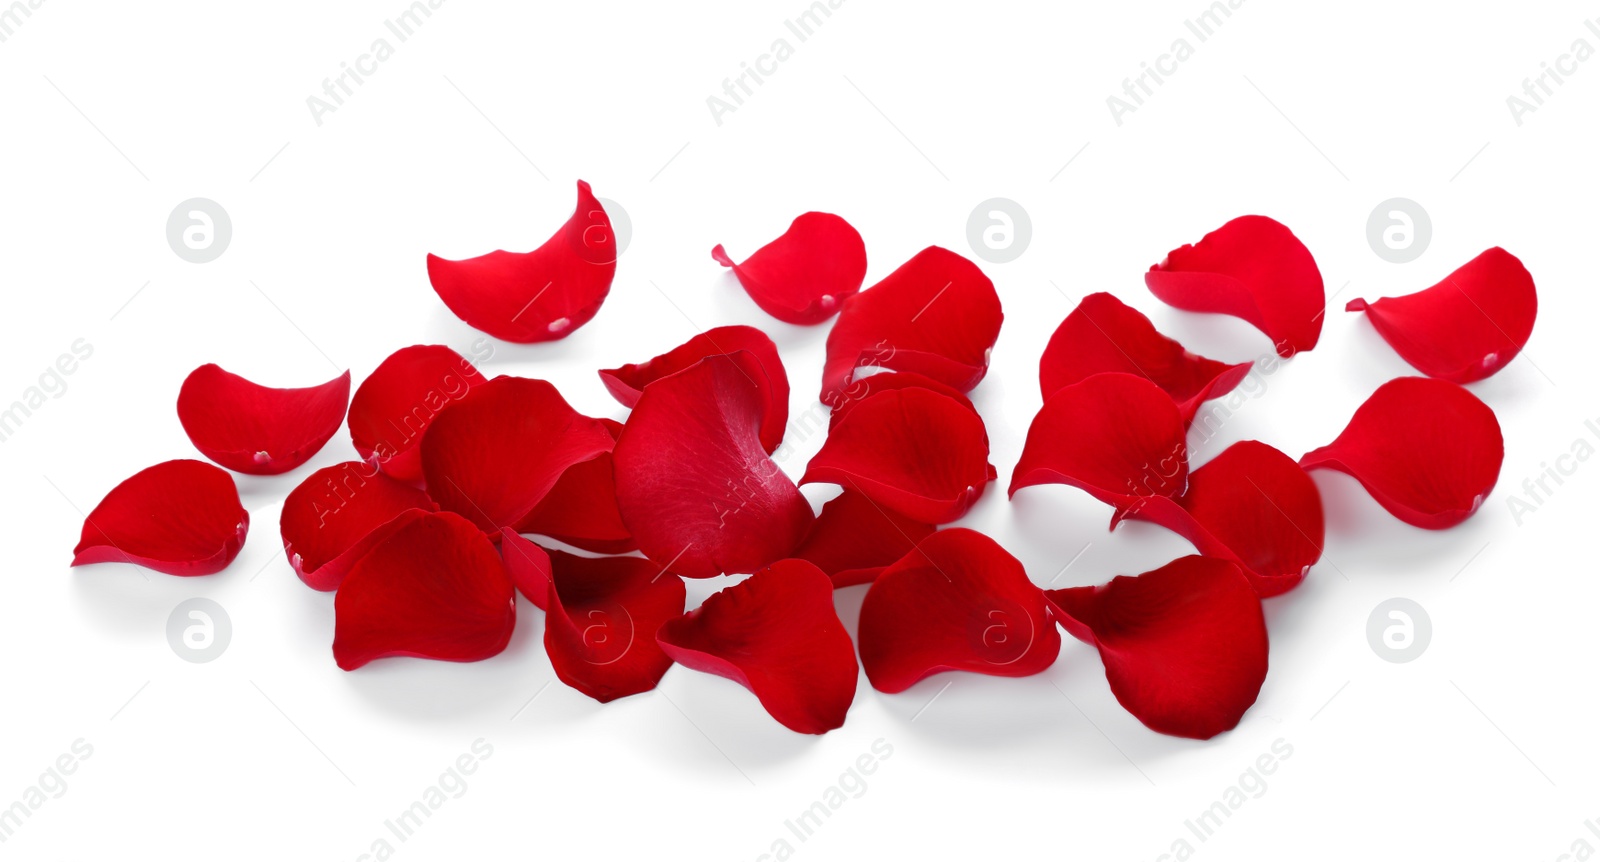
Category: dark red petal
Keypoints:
(581, 509)
(804, 275)
(435, 588)
(528, 564)
(913, 451)
(179, 517)
(1252, 268)
(1426, 450)
(394, 405)
(695, 485)
(627, 382)
(1117, 436)
(957, 602)
(1102, 335)
(937, 315)
(600, 631)
(338, 514)
(777, 634)
(1252, 505)
(256, 429)
(539, 295)
(866, 387)
(1185, 646)
(854, 538)
(1466, 327)
(495, 453)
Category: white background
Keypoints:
(901, 118)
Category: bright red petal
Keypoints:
(1427, 450)
(937, 315)
(777, 634)
(957, 602)
(866, 387)
(528, 564)
(581, 509)
(600, 630)
(1102, 335)
(338, 514)
(1252, 268)
(854, 538)
(495, 453)
(435, 588)
(541, 295)
(393, 406)
(256, 429)
(179, 517)
(804, 275)
(1466, 327)
(694, 483)
(1185, 646)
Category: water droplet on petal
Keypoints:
(261, 457)
(827, 300)
(559, 324)
(1488, 361)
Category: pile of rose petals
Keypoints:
(424, 536)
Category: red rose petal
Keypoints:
(937, 315)
(1253, 505)
(1102, 335)
(338, 514)
(1252, 268)
(1184, 646)
(541, 295)
(777, 634)
(957, 602)
(914, 451)
(854, 538)
(866, 387)
(627, 382)
(394, 405)
(256, 429)
(603, 614)
(1466, 327)
(495, 453)
(581, 508)
(1427, 450)
(528, 564)
(803, 276)
(435, 588)
(694, 484)
(179, 517)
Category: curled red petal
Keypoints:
(528, 564)
(865, 387)
(398, 401)
(803, 276)
(495, 453)
(1466, 327)
(1184, 646)
(435, 588)
(1253, 505)
(1427, 450)
(854, 538)
(627, 382)
(581, 508)
(1102, 334)
(775, 633)
(694, 483)
(937, 315)
(541, 295)
(957, 602)
(178, 517)
(1117, 436)
(1252, 268)
(338, 514)
(603, 614)
(913, 451)
(257, 429)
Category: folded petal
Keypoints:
(1103, 335)
(338, 514)
(581, 508)
(435, 588)
(803, 276)
(1466, 327)
(1427, 450)
(495, 453)
(854, 538)
(179, 517)
(627, 382)
(528, 564)
(394, 405)
(541, 295)
(1184, 646)
(1252, 268)
(694, 483)
(1253, 505)
(256, 429)
(603, 614)
(937, 315)
(865, 387)
(775, 633)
